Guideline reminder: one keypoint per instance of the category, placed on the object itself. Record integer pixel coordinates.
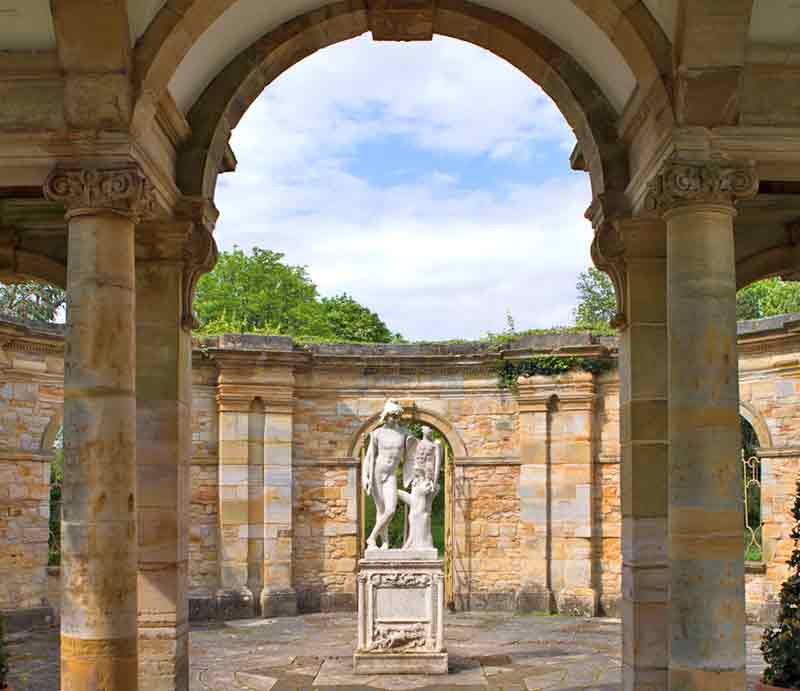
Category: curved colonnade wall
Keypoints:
(274, 509)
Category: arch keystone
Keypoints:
(401, 20)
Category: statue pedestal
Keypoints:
(400, 613)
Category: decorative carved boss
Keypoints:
(401, 20)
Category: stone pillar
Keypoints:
(234, 598)
(534, 492)
(556, 431)
(571, 519)
(99, 533)
(278, 596)
(633, 252)
(707, 606)
(163, 417)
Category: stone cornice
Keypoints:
(681, 183)
(88, 190)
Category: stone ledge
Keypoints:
(17, 620)
(400, 663)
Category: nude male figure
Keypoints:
(386, 451)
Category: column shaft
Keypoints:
(534, 492)
(278, 598)
(163, 393)
(99, 541)
(707, 613)
(643, 441)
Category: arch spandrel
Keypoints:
(224, 102)
(422, 415)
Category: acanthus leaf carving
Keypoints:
(716, 181)
(124, 190)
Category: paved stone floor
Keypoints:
(487, 651)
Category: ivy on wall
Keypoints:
(508, 371)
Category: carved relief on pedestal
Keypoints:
(716, 181)
(123, 190)
(399, 637)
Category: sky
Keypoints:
(430, 181)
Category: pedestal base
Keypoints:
(400, 614)
(278, 603)
(400, 663)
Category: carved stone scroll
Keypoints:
(122, 190)
(717, 181)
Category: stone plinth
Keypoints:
(400, 613)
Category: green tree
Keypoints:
(781, 643)
(597, 302)
(767, 298)
(31, 300)
(259, 293)
(348, 320)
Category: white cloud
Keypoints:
(434, 258)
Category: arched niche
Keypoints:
(421, 415)
(757, 422)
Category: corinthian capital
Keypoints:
(123, 190)
(681, 183)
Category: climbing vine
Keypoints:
(508, 371)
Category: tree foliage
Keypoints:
(781, 643)
(768, 298)
(259, 293)
(597, 302)
(31, 300)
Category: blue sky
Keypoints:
(430, 181)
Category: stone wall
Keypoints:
(534, 503)
(31, 395)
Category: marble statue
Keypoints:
(389, 446)
(421, 473)
(401, 591)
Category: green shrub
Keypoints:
(3, 656)
(781, 643)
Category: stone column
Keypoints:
(571, 515)
(633, 252)
(278, 596)
(163, 395)
(234, 598)
(707, 607)
(99, 534)
(534, 492)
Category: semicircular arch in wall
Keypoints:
(579, 98)
(422, 415)
(757, 422)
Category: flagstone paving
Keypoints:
(487, 651)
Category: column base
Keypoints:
(278, 603)
(536, 599)
(235, 604)
(577, 602)
(400, 663)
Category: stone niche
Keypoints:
(400, 613)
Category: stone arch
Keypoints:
(750, 413)
(633, 31)
(51, 431)
(223, 103)
(419, 415)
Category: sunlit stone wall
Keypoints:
(327, 398)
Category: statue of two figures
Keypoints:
(391, 445)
